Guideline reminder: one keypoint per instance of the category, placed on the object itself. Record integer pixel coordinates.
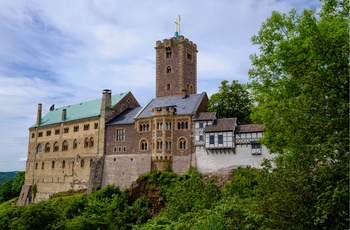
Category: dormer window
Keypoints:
(169, 52)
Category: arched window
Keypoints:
(169, 52)
(91, 161)
(168, 144)
(75, 144)
(53, 164)
(39, 148)
(182, 143)
(47, 147)
(42, 165)
(82, 163)
(63, 164)
(168, 86)
(168, 125)
(55, 146)
(86, 143)
(159, 144)
(91, 143)
(191, 89)
(160, 125)
(143, 145)
(65, 146)
(36, 165)
(168, 69)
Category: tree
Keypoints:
(231, 101)
(12, 188)
(300, 81)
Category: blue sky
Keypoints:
(64, 52)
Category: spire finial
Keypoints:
(177, 27)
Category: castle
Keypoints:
(113, 140)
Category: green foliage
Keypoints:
(12, 188)
(300, 81)
(5, 176)
(232, 101)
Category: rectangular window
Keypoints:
(86, 127)
(211, 139)
(201, 125)
(120, 135)
(66, 130)
(220, 139)
(96, 125)
(57, 131)
(48, 133)
(201, 137)
(40, 134)
(33, 135)
(76, 128)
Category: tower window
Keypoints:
(189, 55)
(168, 69)
(168, 87)
(169, 52)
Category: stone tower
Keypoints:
(176, 67)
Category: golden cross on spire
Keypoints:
(177, 24)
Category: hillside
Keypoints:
(5, 176)
(244, 199)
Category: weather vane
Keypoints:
(177, 27)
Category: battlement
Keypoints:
(173, 40)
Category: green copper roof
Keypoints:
(78, 111)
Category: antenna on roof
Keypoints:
(177, 27)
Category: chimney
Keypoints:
(64, 114)
(38, 117)
(106, 102)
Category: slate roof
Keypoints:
(206, 116)
(126, 117)
(188, 105)
(249, 128)
(77, 111)
(223, 124)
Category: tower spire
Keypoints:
(177, 27)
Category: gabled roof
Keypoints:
(249, 128)
(78, 111)
(126, 117)
(220, 125)
(188, 105)
(206, 116)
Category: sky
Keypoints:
(65, 52)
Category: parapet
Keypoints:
(173, 41)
